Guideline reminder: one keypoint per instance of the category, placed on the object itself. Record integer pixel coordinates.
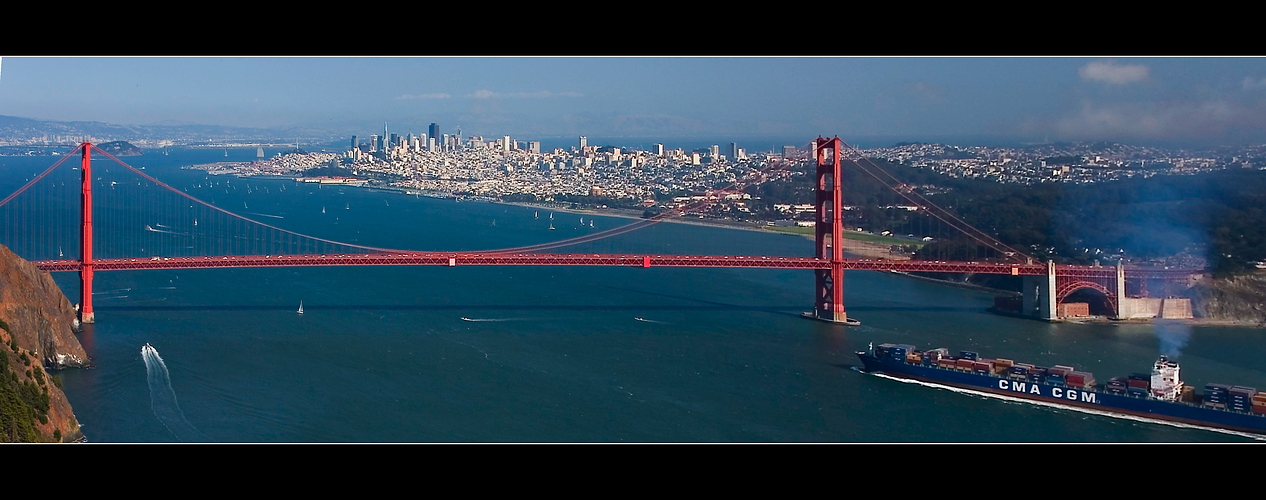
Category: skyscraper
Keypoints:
(733, 151)
(658, 149)
(714, 152)
(584, 141)
(434, 131)
(355, 142)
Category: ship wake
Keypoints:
(163, 399)
(1073, 408)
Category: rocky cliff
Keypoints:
(37, 332)
(1239, 298)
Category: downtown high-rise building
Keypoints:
(433, 131)
(733, 155)
(714, 152)
(355, 142)
(584, 142)
(658, 149)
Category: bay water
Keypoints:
(565, 354)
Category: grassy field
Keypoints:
(848, 235)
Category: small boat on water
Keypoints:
(536, 214)
(300, 307)
(551, 226)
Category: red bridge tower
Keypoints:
(85, 241)
(829, 300)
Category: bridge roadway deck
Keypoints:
(453, 259)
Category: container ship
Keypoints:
(1160, 395)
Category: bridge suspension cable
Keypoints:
(945, 216)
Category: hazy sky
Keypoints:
(1184, 99)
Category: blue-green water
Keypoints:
(570, 354)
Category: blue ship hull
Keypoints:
(1094, 399)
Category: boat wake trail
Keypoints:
(163, 399)
(644, 320)
(1072, 408)
(493, 319)
(151, 229)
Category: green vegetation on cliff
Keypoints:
(21, 402)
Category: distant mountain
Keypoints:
(20, 130)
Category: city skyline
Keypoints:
(1196, 100)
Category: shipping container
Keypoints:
(968, 354)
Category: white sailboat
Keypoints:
(322, 209)
(590, 222)
(551, 226)
(300, 307)
(536, 214)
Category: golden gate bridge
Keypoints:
(225, 239)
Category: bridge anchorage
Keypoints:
(230, 240)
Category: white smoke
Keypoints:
(1173, 336)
